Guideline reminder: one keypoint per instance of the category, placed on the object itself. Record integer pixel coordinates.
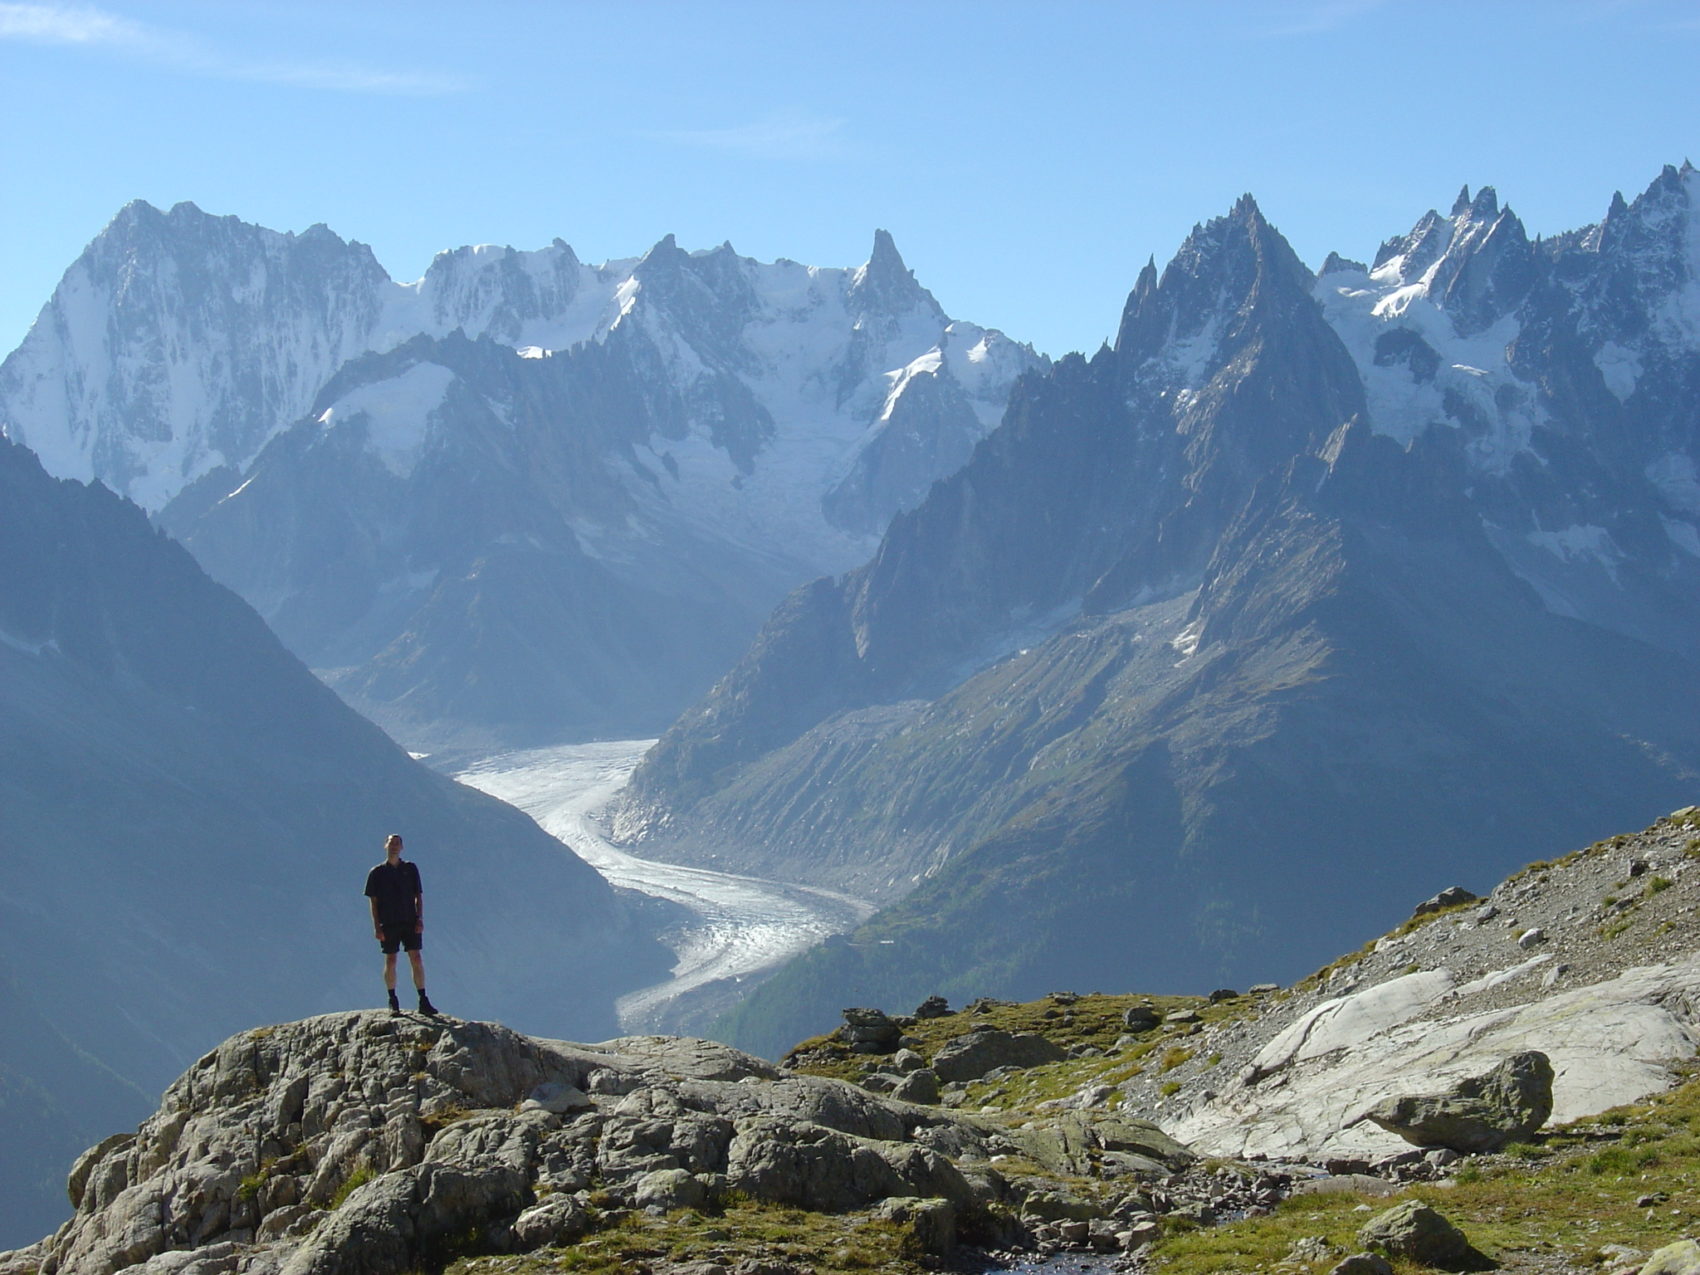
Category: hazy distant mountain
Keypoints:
(522, 497)
(1312, 595)
(186, 819)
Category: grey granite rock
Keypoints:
(972, 1056)
(1417, 1232)
(1680, 1258)
(1482, 1113)
(361, 1144)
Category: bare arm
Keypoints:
(419, 914)
(377, 929)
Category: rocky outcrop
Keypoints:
(1451, 897)
(870, 1031)
(1075, 1144)
(362, 1144)
(1606, 997)
(972, 1056)
(1418, 1233)
(1481, 1113)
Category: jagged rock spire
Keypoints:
(665, 252)
(885, 284)
(1232, 261)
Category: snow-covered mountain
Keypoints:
(522, 493)
(1565, 374)
(1313, 594)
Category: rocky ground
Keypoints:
(1593, 959)
(373, 1143)
(367, 1142)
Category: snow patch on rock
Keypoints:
(396, 414)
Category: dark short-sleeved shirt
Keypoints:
(394, 888)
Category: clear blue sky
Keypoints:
(1027, 157)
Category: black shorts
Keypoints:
(400, 936)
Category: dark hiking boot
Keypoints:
(425, 1005)
(395, 1005)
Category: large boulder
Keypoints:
(1416, 1232)
(933, 1222)
(556, 1220)
(1076, 1144)
(918, 1086)
(1451, 897)
(1482, 1113)
(1140, 1018)
(669, 1189)
(870, 1031)
(1680, 1258)
(813, 1167)
(972, 1056)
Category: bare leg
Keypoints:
(389, 969)
(418, 961)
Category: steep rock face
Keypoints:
(440, 578)
(1070, 509)
(1305, 591)
(663, 446)
(179, 341)
(1567, 394)
(188, 815)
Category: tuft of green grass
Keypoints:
(443, 1117)
(362, 1174)
(1618, 1161)
(1173, 1057)
(251, 1185)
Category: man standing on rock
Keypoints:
(398, 918)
